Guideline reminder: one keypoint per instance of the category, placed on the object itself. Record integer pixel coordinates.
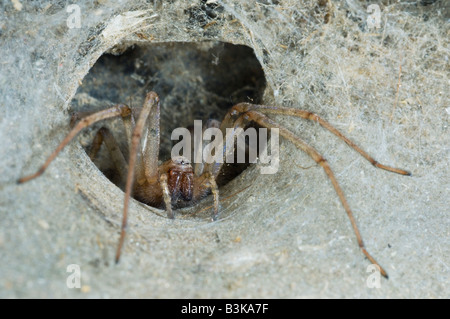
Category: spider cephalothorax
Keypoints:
(180, 178)
(177, 175)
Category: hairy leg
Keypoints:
(229, 142)
(166, 195)
(199, 168)
(264, 121)
(246, 107)
(105, 136)
(151, 102)
(117, 110)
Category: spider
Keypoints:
(175, 183)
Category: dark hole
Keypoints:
(195, 81)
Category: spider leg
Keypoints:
(199, 168)
(204, 183)
(129, 124)
(105, 135)
(209, 182)
(232, 125)
(244, 107)
(96, 144)
(117, 110)
(150, 107)
(166, 195)
(150, 145)
(211, 169)
(203, 170)
(146, 167)
(264, 121)
(215, 192)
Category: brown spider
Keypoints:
(176, 183)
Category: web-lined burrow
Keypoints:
(195, 81)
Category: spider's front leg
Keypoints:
(206, 171)
(257, 114)
(117, 110)
(150, 112)
(105, 136)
